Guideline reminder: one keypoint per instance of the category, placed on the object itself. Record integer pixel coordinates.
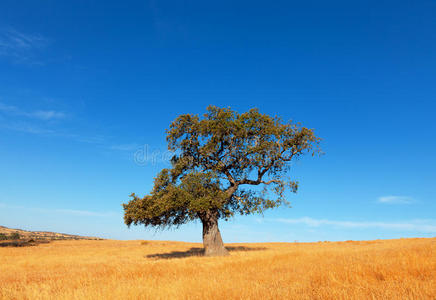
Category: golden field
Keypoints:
(109, 269)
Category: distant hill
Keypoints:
(34, 237)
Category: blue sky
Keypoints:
(88, 88)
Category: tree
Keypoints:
(14, 236)
(218, 162)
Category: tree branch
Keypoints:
(231, 190)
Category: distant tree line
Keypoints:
(12, 236)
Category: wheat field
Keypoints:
(109, 269)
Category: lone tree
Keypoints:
(217, 162)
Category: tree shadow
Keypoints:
(199, 252)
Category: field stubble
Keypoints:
(381, 269)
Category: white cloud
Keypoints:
(395, 200)
(125, 147)
(38, 114)
(415, 225)
(17, 119)
(38, 130)
(27, 128)
(13, 39)
(21, 46)
(7, 108)
(47, 114)
(83, 213)
(73, 212)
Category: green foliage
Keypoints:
(12, 236)
(218, 160)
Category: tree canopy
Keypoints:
(218, 161)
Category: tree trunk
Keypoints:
(212, 241)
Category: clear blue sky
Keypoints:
(84, 85)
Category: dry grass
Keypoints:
(383, 269)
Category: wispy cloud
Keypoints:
(13, 39)
(125, 147)
(40, 122)
(45, 115)
(83, 213)
(424, 226)
(71, 212)
(395, 200)
(30, 128)
(27, 128)
(21, 46)
(7, 108)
